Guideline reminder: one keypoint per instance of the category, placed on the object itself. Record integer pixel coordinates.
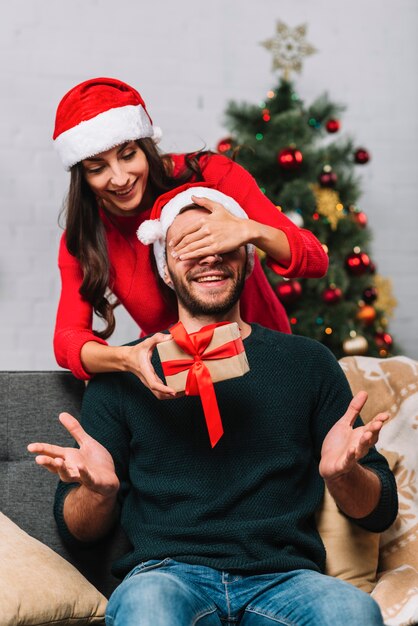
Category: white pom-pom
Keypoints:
(150, 231)
(157, 134)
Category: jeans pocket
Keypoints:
(146, 566)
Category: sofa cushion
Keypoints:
(37, 586)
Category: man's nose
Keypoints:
(210, 259)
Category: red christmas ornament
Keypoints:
(328, 179)
(357, 263)
(332, 295)
(289, 291)
(369, 295)
(290, 159)
(266, 115)
(366, 314)
(361, 156)
(333, 126)
(360, 218)
(383, 340)
(224, 145)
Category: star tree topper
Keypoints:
(289, 47)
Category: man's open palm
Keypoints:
(344, 445)
(90, 465)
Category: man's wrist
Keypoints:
(105, 497)
(88, 514)
(344, 477)
(356, 492)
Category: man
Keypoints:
(224, 535)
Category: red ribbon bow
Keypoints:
(199, 381)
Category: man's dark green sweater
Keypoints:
(247, 505)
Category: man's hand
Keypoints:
(344, 445)
(90, 465)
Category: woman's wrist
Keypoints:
(97, 358)
(252, 232)
(124, 358)
(269, 239)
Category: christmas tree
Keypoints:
(308, 169)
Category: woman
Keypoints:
(106, 138)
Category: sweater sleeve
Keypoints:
(103, 419)
(308, 258)
(73, 327)
(334, 395)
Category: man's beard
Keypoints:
(219, 306)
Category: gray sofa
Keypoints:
(30, 404)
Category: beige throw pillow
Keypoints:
(37, 586)
(352, 552)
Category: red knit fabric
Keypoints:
(137, 288)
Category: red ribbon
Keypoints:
(199, 381)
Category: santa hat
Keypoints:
(169, 205)
(97, 115)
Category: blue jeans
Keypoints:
(169, 593)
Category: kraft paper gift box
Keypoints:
(221, 368)
(192, 363)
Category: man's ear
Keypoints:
(167, 278)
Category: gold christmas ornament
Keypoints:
(355, 345)
(289, 47)
(328, 204)
(385, 299)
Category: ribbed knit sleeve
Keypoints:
(308, 259)
(73, 326)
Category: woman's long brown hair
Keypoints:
(85, 232)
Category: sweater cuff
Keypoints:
(387, 508)
(297, 263)
(75, 340)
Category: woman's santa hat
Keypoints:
(169, 205)
(97, 115)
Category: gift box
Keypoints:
(193, 362)
(232, 365)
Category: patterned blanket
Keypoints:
(392, 385)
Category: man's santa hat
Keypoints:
(97, 115)
(169, 205)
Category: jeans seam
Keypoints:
(199, 617)
(275, 618)
(228, 603)
(146, 568)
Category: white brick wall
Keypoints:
(188, 59)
